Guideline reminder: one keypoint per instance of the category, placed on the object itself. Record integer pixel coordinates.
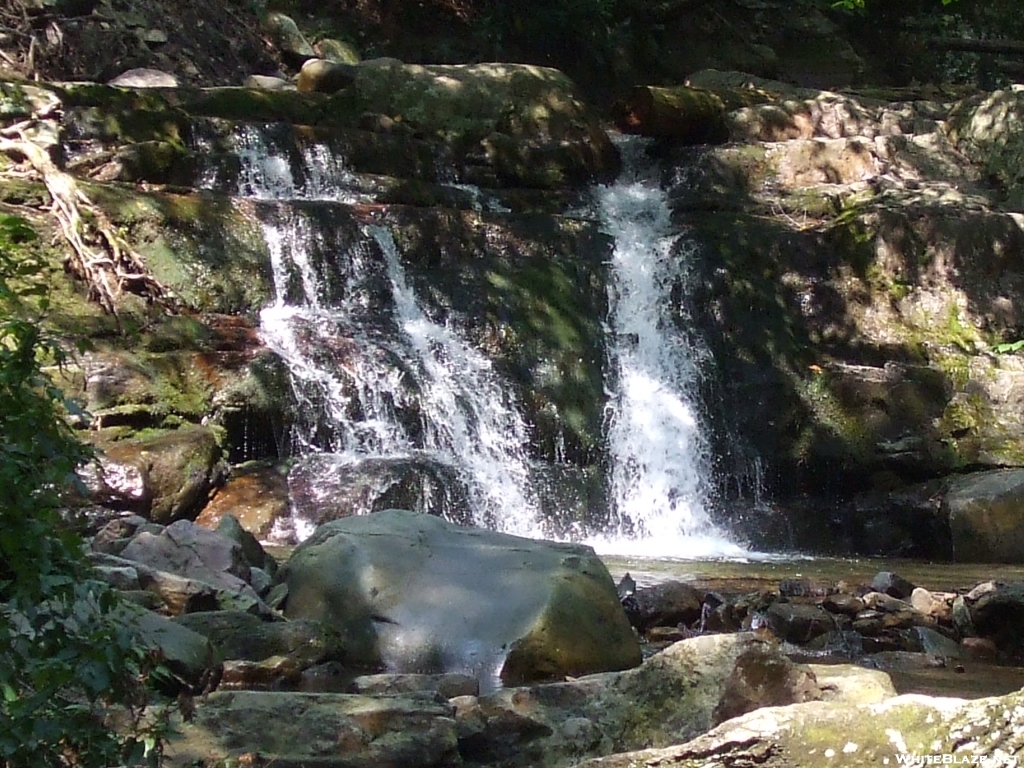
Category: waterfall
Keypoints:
(375, 379)
(386, 393)
(660, 459)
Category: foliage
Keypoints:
(62, 654)
(1009, 347)
(555, 28)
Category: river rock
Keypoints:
(188, 655)
(283, 30)
(323, 76)
(336, 50)
(892, 584)
(664, 605)
(886, 733)
(117, 485)
(675, 694)
(145, 78)
(985, 517)
(255, 494)
(182, 467)
(797, 622)
(935, 604)
(325, 487)
(242, 636)
(198, 557)
(852, 683)
(935, 644)
(273, 673)
(325, 730)
(253, 554)
(419, 594)
(999, 615)
(447, 686)
(960, 613)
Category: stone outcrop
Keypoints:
(807, 734)
(327, 730)
(685, 689)
(417, 594)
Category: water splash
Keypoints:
(660, 460)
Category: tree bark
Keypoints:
(681, 113)
(687, 115)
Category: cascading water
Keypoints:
(376, 379)
(660, 460)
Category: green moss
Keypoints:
(207, 250)
(263, 105)
(830, 417)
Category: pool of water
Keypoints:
(765, 572)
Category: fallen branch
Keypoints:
(1010, 47)
(99, 256)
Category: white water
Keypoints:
(356, 383)
(469, 417)
(660, 460)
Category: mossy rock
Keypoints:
(182, 467)
(209, 251)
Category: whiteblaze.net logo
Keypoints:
(951, 759)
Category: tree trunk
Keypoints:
(687, 115)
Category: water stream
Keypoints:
(660, 458)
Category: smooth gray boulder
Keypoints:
(418, 594)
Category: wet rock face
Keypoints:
(326, 487)
(420, 595)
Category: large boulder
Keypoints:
(986, 516)
(181, 468)
(419, 594)
(197, 556)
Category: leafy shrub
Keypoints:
(63, 659)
